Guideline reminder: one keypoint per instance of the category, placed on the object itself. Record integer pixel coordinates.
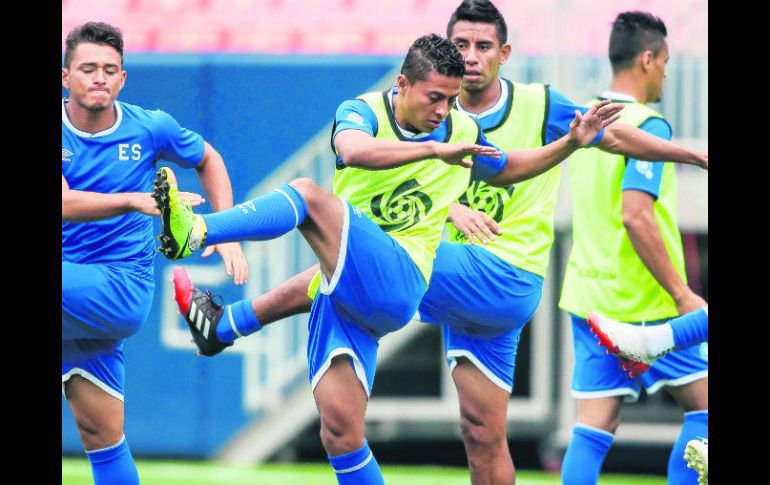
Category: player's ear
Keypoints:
(402, 82)
(65, 77)
(646, 58)
(505, 52)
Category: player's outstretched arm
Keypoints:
(86, 206)
(525, 164)
(359, 149)
(213, 177)
(635, 143)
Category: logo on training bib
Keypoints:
(405, 207)
(487, 199)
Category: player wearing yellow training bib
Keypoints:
(398, 157)
(626, 263)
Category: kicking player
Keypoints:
(627, 264)
(109, 150)
(482, 294)
(400, 164)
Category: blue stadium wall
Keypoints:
(256, 111)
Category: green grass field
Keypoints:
(78, 472)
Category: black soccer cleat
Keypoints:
(201, 312)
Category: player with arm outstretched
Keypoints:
(375, 237)
(109, 152)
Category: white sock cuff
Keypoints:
(595, 430)
(120, 442)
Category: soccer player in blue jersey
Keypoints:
(109, 152)
(397, 173)
(482, 294)
(627, 264)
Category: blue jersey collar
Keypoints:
(66, 120)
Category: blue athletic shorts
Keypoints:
(375, 290)
(102, 301)
(101, 305)
(482, 303)
(598, 374)
(100, 361)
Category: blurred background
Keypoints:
(260, 80)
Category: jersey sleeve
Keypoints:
(353, 114)
(641, 174)
(175, 143)
(487, 167)
(561, 112)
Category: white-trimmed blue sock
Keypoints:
(585, 455)
(691, 328)
(238, 320)
(113, 464)
(357, 467)
(266, 217)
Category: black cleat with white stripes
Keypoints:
(202, 318)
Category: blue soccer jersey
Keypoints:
(121, 159)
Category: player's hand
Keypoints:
(476, 225)
(144, 203)
(689, 302)
(458, 153)
(585, 127)
(233, 258)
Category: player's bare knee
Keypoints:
(479, 434)
(339, 439)
(96, 436)
(307, 188)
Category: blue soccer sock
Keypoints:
(357, 467)
(113, 465)
(691, 328)
(696, 425)
(238, 320)
(266, 217)
(585, 455)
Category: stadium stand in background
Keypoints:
(385, 27)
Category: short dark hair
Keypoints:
(432, 53)
(479, 11)
(94, 33)
(632, 33)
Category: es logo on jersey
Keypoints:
(405, 207)
(65, 155)
(135, 152)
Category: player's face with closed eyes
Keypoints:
(94, 77)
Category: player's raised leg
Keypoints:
(639, 346)
(298, 204)
(202, 311)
